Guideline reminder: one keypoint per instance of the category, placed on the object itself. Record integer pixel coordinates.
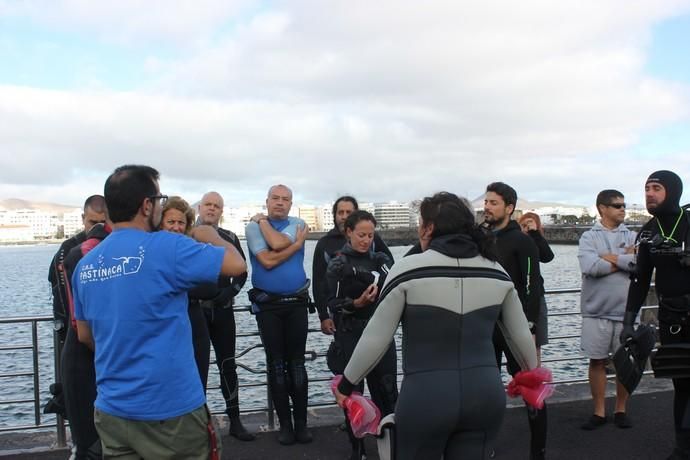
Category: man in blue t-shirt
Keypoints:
(130, 302)
(280, 299)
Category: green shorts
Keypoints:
(183, 437)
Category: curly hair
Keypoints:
(179, 204)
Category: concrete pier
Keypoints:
(650, 438)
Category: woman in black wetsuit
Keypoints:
(448, 298)
(355, 277)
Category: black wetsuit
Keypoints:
(57, 283)
(201, 341)
(349, 274)
(220, 322)
(519, 256)
(672, 283)
(448, 298)
(56, 277)
(325, 250)
(78, 371)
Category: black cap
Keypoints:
(674, 189)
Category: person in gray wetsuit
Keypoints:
(449, 298)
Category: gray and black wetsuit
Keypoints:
(449, 299)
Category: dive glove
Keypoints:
(628, 326)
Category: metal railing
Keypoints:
(34, 374)
(310, 355)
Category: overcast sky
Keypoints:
(385, 100)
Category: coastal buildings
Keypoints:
(393, 215)
(30, 222)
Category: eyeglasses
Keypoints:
(163, 198)
(617, 205)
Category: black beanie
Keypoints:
(674, 189)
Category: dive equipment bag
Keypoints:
(631, 357)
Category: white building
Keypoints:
(236, 219)
(326, 211)
(311, 216)
(72, 222)
(43, 224)
(392, 214)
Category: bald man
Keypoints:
(220, 318)
(280, 299)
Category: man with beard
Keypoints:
(326, 249)
(664, 242)
(519, 256)
(130, 303)
(220, 318)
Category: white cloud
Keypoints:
(381, 99)
(180, 22)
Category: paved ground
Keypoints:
(650, 438)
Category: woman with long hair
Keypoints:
(448, 298)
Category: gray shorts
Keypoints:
(600, 337)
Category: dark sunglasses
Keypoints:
(163, 198)
(617, 205)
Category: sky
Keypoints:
(385, 100)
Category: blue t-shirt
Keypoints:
(132, 291)
(285, 278)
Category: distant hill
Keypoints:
(13, 204)
(526, 204)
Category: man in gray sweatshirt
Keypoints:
(605, 254)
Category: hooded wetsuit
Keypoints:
(448, 298)
(660, 242)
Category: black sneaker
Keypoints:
(593, 423)
(621, 420)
